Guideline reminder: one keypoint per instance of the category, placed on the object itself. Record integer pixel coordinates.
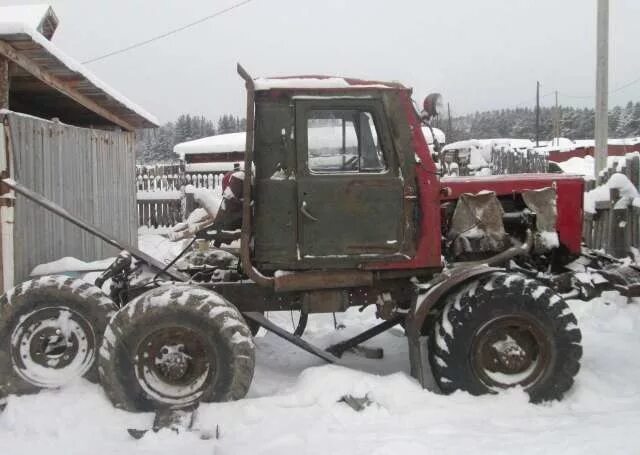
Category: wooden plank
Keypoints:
(4, 84)
(64, 87)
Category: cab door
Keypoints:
(349, 188)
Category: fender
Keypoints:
(425, 297)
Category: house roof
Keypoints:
(222, 143)
(46, 82)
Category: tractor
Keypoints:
(341, 204)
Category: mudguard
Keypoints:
(425, 297)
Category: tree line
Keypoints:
(153, 146)
(575, 123)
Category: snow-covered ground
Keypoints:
(293, 405)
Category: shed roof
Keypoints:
(46, 82)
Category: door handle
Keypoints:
(303, 209)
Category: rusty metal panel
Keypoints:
(89, 172)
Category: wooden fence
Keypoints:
(160, 192)
(89, 172)
(615, 225)
(505, 161)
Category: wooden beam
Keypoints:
(4, 83)
(60, 85)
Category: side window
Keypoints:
(343, 141)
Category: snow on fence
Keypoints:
(612, 208)
(160, 192)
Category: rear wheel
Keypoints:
(503, 331)
(50, 331)
(174, 346)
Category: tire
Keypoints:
(50, 332)
(174, 346)
(503, 330)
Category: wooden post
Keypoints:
(4, 83)
(190, 205)
(634, 170)
(587, 229)
(618, 244)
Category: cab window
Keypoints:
(341, 141)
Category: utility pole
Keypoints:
(602, 87)
(449, 125)
(537, 113)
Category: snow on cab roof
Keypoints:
(320, 82)
(22, 28)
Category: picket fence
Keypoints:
(160, 192)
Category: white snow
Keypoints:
(209, 200)
(69, 264)
(30, 15)
(158, 195)
(22, 22)
(213, 167)
(293, 407)
(601, 193)
(584, 166)
(438, 133)
(308, 82)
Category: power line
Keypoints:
(169, 33)
(615, 90)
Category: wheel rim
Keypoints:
(52, 346)
(510, 351)
(173, 365)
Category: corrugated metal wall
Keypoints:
(91, 173)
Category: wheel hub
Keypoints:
(509, 351)
(172, 362)
(511, 355)
(52, 345)
(173, 365)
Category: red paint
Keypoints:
(429, 239)
(569, 190)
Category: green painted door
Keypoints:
(350, 192)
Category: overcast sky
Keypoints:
(480, 54)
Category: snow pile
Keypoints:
(628, 192)
(310, 82)
(69, 264)
(578, 166)
(30, 15)
(209, 200)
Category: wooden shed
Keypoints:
(67, 135)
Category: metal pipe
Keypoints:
(245, 236)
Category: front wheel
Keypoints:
(174, 346)
(502, 331)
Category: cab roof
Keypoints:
(312, 82)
